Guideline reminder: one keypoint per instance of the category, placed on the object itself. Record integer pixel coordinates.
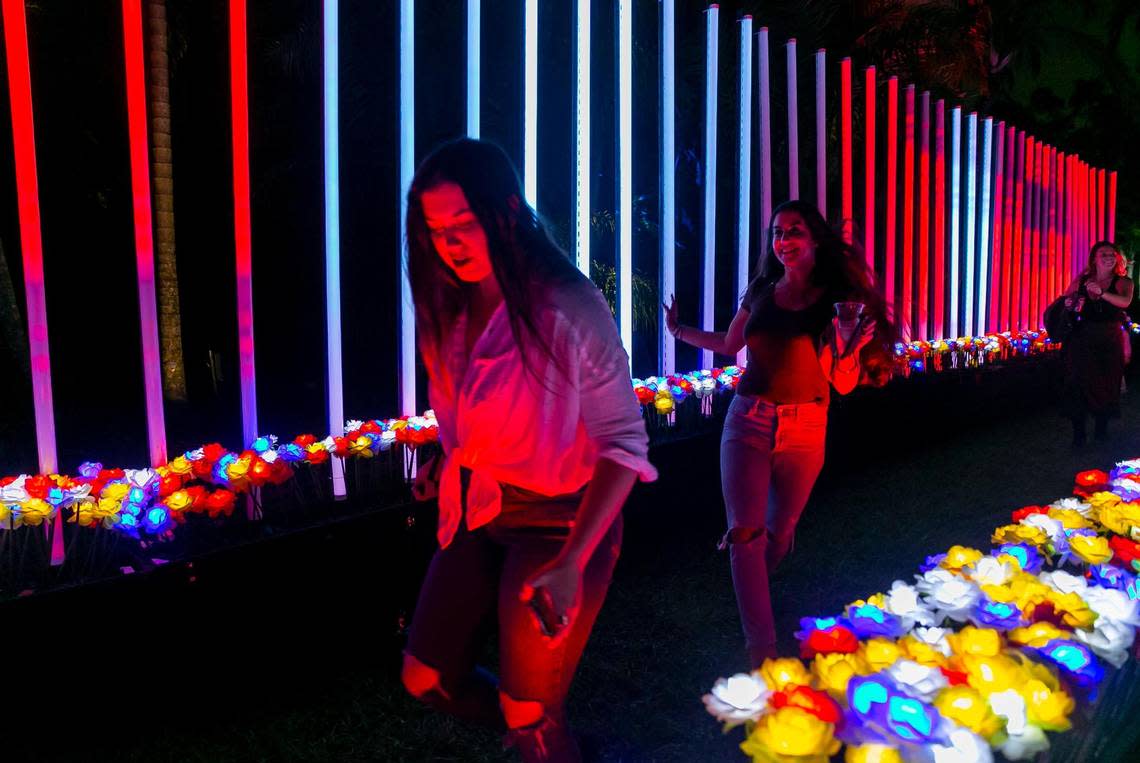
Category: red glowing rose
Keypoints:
(371, 427)
(817, 703)
(1093, 478)
(198, 497)
(316, 456)
(258, 472)
(305, 440)
(280, 473)
(5, 481)
(955, 677)
(341, 446)
(644, 394)
(837, 639)
(1127, 551)
(213, 452)
(38, 486)
(220, 502)
(1028, 511)
(201, 468)
(169, 484)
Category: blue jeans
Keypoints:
(770, 457)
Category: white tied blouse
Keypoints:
(507, 428)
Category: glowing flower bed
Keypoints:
(969, 352)
(981, 652)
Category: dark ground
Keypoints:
(288, 650)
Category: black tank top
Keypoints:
(783, 346)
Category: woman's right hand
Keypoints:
(426, 485)
(671, 322)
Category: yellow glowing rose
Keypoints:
(1075, 612)
(921, 652)
(361, 447)
(34, 511)
(999, 593)
(872, 753)
(960, 556)
(967, 707)
(1092, 549)
(107, 507)
(5, 515)
(985, 642)
(1034, 536)
(116, 491)
(780, 672)
(1012, 561)
(791, 734)
(180, 465)
(875, 600)
(1101, 499)
(179, 500)
(880, 653)
(83, 513)
(663, 402)
(238, 470)
(833, 671)
(1038, 634)
(989, 673)
(1070, 519)
(1028, 591)
(1114, 518)
(1046, 707)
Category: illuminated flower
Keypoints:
(1037, 634)
(1025, 745)
(919, 681)
(811, 700)
(778, 673)
(158, 520)
(989, 673)
(869, 620)
(989, 571)
(1091, 549)
(837, 638)
(966, 707)
(791, 734)
(960, 556)
(833, 671)
(35, 510)
(921, 652)
(1091, 479)
(948, 594)
(1101, 499)
(1109, 640)
(1046, 706)
(82, 513)
(1070, 519)
(220, 502)
(1052, 528)
(903, 602)
(988, 613)
(880, 653)
(664, 402)
(882, 708)
(1027, 557)
(1073, 609)
(964, 747)
(742, 697)
(1026, 511)
(978, 641)
(1020, 533)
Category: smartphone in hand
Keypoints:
(543, 607)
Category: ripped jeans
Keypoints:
(770, 457)
(473, 585)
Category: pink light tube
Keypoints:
(1021, 216)
(939, 218)
(144, 240)
(1048, 243)
(869, 173)
(1112, 206)
(908, 217)
(848, 158)
(997, 277)
(821, 131)
(891, 192)
(793, 125)
(1035, 237)
(922, 326)
(243, 247)
(1100, 204)
(31, 244)
(1007, 318)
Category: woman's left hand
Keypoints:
(554, 594)
(859, 339)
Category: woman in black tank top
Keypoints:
(1094, 353)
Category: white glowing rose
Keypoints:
(1075, 504)
(352, 425)
(1026, 745)
(1063, 582)
(922, 682)
(1052, 527)
(269, 456)
(387, 439)
(902, 601)
(1128, 490)
(990, 571)
(14, 492)
(934, 637)
(142, 477)
(742, 697)
(1110, 641)
(329, 444)
(947, 594)
(196, 455)
(74, 495)
(1009, 704)
(965, 747)
(1112, 605)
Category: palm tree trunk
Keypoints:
(169, 314)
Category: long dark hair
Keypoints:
(524, 259)
(842, 275)
(1121, 268)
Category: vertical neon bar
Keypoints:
(666, 348)
(1051, 223)
(908, 216)
(708, 301)
(869, 177)
(764, 107)
(331, 66)
(970, 297)
(31, 244)
(243, 244)
(1035, 236)
(955, 212)
(1094, 232)
(1111, 206)
(530, 102)
(793, 125)
(744, 208)
(582, 155)
(821, 131)
(1100, 204)
(984, 213)
(848, 154)
(474, 81)
(1020, 313)
(1062, 180)
(625, 175)
(939, 219)
(997, 279)
(891, 192)
(922, 326)
(1006, 319)
(144, 236)
(1067, 239)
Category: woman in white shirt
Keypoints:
(542, 441)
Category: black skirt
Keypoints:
(1094, 367)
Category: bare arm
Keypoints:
(1121, 295)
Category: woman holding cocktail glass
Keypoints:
(811, 320)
